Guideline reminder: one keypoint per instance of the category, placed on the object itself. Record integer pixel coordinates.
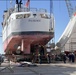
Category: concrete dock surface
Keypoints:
(40, 69)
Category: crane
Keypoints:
(69, 29)
(70, 8)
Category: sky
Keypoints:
(60, 13)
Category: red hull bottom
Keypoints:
(13, 42)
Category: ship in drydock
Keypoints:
(26, 31)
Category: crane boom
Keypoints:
(69, 7)
(70, 27)
(67, 33)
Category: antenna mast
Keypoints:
(19, 4)
(6, 4)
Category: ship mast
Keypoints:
(19, 4)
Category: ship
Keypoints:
(26, 30)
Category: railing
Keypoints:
(23, 9)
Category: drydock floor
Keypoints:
(42, 69)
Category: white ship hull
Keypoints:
(27, 29)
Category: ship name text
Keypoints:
(34, 20)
